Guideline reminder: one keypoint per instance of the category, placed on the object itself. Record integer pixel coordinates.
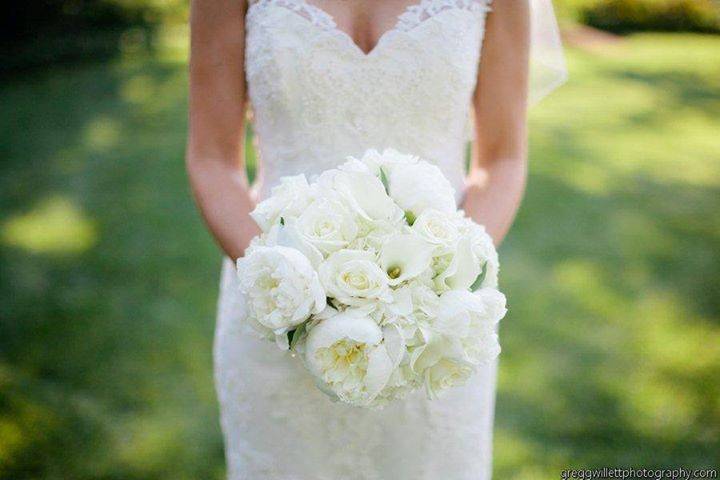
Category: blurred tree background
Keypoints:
(109, 280)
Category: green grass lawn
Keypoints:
(109, 280)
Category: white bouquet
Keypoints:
(375, 279)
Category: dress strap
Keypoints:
(425, 9)
(313, 14)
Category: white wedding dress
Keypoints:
(317, 97)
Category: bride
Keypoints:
(332, 78)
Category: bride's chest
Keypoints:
(295, 51)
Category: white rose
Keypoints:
(437, 227)
(281, 288)
(327, 224)
(288, 199)
(420, 186)
(352, 277)
(348, 355)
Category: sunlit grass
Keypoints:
(102, 133)
(647, 107)
(55, 225)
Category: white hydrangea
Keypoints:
(470, 318)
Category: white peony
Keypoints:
(437, 227)
(417, 187)
(288, 199)
(327, 224)
(352, 277)
(402, 381)
(281, 288)
(348, 355)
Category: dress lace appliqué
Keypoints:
(416, 14)
(314, 15)
(317, 98)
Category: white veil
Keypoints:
(547, 60)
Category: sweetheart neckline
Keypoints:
(330, 26)
(381, 39)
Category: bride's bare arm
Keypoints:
(215, 153)
(498, 171)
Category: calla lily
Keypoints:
(463, 269)
(404, 257)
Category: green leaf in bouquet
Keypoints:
(294, 335)
(282, 221)
(479, 280)
(410, 217)
(385, 181)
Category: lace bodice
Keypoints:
(317, 97)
